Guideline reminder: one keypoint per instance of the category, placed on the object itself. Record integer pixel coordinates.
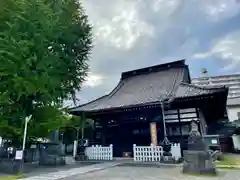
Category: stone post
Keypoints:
(197, 159)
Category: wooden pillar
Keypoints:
(103, 131)
(94, 130)
(153, 131)
(83, 123)
(203, 125)
(179, 121)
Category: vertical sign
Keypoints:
(153, 133)
(75, 148)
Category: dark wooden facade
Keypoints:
(123, 117)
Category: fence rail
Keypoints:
(154, 153)
(147, 153)
(99, 152)
(176, 151)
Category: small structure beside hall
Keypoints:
(229, 131)
(150, 106)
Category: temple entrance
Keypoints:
(125, 135)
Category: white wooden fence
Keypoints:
(176, 151)
(99, 152)
(140, 153)
(154, 153)
(147, 153)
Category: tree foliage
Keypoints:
(77, 127)
(44, 53)
(78, 123)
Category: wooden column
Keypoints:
(179, 121)
(83, 125)
(94, 130)
(153, 131)
(103, 131)
(203, 125)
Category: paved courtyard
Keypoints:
(150, 173)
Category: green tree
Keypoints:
(78, 124)
(44, 53)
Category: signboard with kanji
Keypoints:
(19, 155)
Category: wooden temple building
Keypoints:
(162, 95)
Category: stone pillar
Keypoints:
(197, 159)
(153, 131)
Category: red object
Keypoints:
(127, 154)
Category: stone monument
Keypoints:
(81, 155)
(51, 153)
(197, 159)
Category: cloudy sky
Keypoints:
(130, 34)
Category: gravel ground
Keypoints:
(151, 173)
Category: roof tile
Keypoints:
(139, 89)
(189, 90)
(148, 87)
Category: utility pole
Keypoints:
(20, 154)
(27, 119)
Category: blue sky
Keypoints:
(130, 34)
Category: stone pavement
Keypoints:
(150, 173)
(124, 170)
(71, 172)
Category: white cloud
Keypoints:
(168, 6)
(218, 10)
(225, 49)
(93, 80)
(120, 27)
(202, 55)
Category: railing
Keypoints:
(154, 153)
(99, 152)
(147, 153)
(176, 151)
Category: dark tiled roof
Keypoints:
(189, 90)
(139, 89)
(146, 86)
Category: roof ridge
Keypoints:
(174, 81)
(155, 68)
(115, 90)
(99, 98)
(109, 95)
(202, 87)
(226, 75)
